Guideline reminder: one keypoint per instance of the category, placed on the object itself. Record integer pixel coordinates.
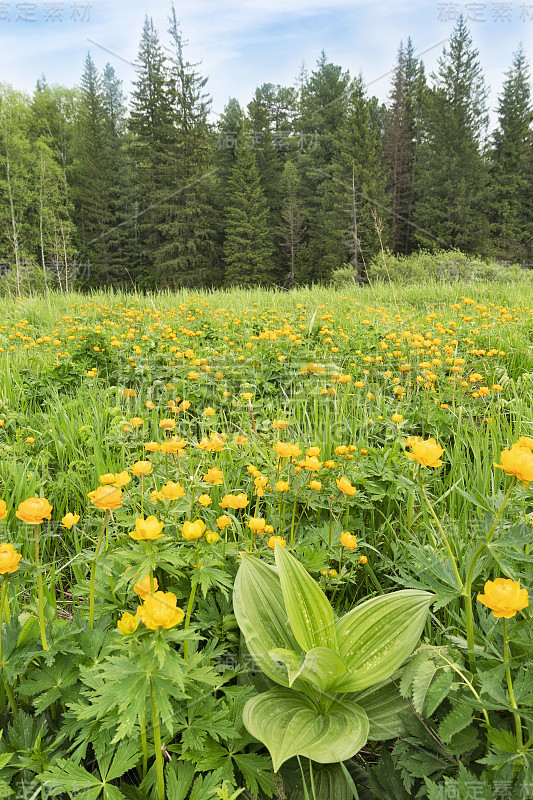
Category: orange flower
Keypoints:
(223, 521)
(348, 540)
(3, 509)
(9, 559)
(108, 498)
(34, 510)
(346, 487)
(204, 500)
(504, 597)
(144, 588)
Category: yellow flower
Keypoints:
(240, 440)
(282, 486)
(34, 510)
(129, 392)
(211, 537)
(517, 461)
(256, 524)
(9, 559)
(128, 623)
(160, 611)
(204, 500)
(30, 440)
(223, 521)
(311, 463)
(280, 424)
(346, 487)
(348, 540)
(137, 422)
(144, 588)
(152, 447)
(312, 452)
(214, 476)
(363, 559)
(504, 597)
(286, 450)
(147, 529)
(209, 412)
(106, 497)
(397, 418)
(109, 477)
(172, 491)
(70, 519)
(3, 509)
(141, 468)
(316, 486)
(274, 540)
(149, 405)
(525, 441)
(234, 501)
(247, 395)
(427, 453)
(121, 478)
(167, 424)
(193, 530)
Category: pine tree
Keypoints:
(248, 244)
(291, 228)
(511, 166)
(452, 175)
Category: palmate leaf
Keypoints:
(309, 610)
(376, 637)
(289, 723)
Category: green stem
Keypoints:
(506, 658)
(188, 619)
(441, 530)
(157, 745)
(469, 613)
(40, 591)
(465, 679)
(144, 744)
(93, 571)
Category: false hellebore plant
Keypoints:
(324, 707)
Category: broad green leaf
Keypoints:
(383, 705)
(309, 611)
(376, 637)
(261, 615)
(323, 668)
(289, 724)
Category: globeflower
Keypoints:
(193, 530)
(286, 450)
(167, 424)
(144, 588)
(427, 453)
(518, 461)
(34, 510)
(282, 486)
(148, 529)
(121, 478)
(504, 597)
(9, 559)
(211, 537)
(234, 501)
(3, 509)
(172, 491)
(128, 623)
(141, 468)
(348, 540)
(344, 485)
(69, 520)
(310, 463)
(107, 498)
(223, 521)
(214, 476)
(256, 524)
(160, 611)
(274, 540)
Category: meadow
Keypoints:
(243, 538)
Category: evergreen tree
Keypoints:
(511, 167)
(187, 255)
(291, 229)
(451, 182)
(152, 140)
(248, 244)
(403, 128)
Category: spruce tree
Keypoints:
(452, 175)
(511, 166)
(248, 244)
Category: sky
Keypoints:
(242, 44)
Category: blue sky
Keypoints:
(244, 43)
